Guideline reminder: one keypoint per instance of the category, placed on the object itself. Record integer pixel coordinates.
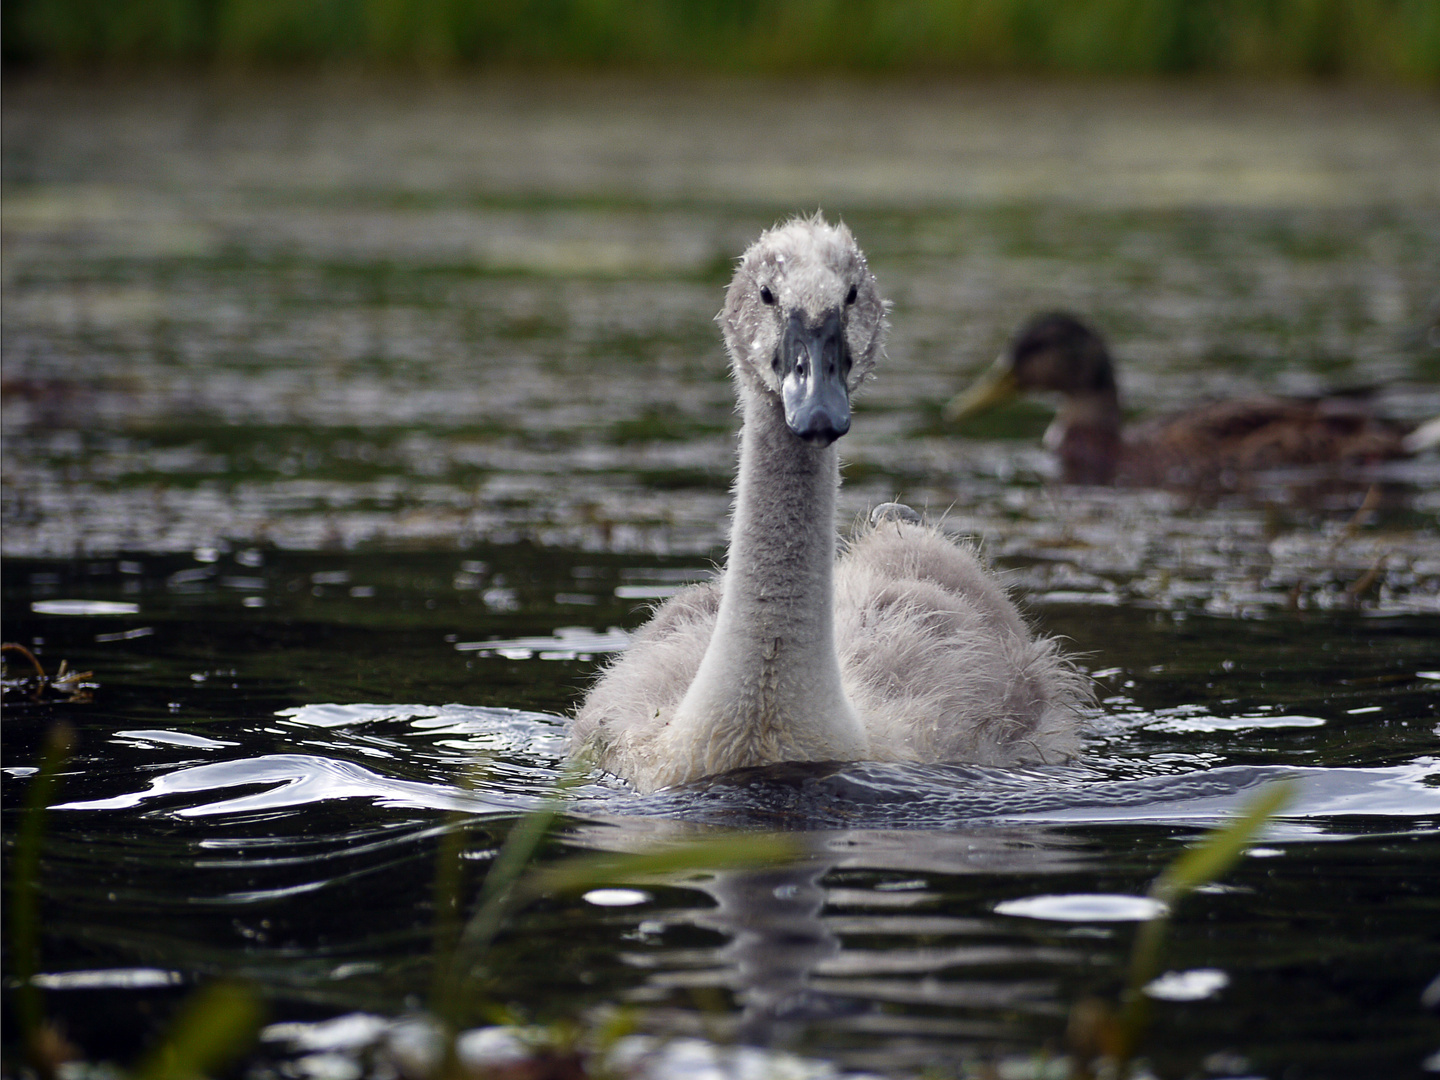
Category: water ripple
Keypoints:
(520, 757)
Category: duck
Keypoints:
(902, 647)
(1219, 444)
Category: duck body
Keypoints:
(1221, 443)
(1216, 444)
(903, 649)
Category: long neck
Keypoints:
(768, 687)
(780, 569)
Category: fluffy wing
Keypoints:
(939, 662)
(637, 694)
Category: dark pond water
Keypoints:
(239, 803)
(346, 429)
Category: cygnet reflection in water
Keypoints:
(812, 945)
(904, 649)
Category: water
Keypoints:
(239, 804)
(345, 434)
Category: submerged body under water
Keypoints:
(244, 799)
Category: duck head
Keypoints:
(1055, 352)
(804, 324)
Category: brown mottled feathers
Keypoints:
(1218, 444)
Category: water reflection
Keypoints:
(853, 938)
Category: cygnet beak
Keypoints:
(817, 400)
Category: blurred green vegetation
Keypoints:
(1386, 40)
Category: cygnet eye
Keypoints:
(850, 296)
(766, 296)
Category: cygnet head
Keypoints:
(804, 324)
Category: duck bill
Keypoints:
(814, 392)
(997, 386)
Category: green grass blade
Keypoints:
(25, 892)
(730, 851)
(1218, 850)
(1203, 863)
(458, 948)
(212, 1029)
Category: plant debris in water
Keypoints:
(33, 684)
